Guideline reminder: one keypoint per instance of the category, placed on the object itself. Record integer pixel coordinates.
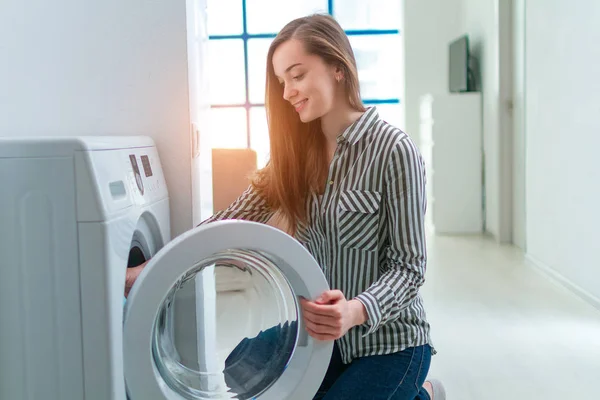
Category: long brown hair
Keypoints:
(298, 159)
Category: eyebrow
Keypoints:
(292, 66)
(289, 68)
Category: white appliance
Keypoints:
(451, 144)
(213, 315)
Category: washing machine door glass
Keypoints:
(215, 315)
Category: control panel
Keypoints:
(119, 178)
(145, 178)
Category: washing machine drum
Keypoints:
(146, 241)
(215, 315)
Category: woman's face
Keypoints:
(309, 84)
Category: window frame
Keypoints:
(245, 36)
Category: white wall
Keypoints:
(110, 67)
(489, 26)
(429, 26)
(518, 92)
(481, 24)
(563, 139)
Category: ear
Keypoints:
(339, 74)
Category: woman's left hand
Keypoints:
(330, 316)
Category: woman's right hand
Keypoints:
(131, 276)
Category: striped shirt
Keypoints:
(367, 233)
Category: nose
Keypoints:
(288, 92)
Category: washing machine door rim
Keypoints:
(309, 361)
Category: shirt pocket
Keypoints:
(359, 219)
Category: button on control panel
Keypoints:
(136, 172)
(146, 165)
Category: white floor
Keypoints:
(503, 330)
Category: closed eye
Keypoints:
(298, 77)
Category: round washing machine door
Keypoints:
(215, 315)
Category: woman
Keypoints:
(352, 190)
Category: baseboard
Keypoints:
(563, 281)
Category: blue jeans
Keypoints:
(398, 376)
(257, 362)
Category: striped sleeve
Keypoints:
(250, 206)
(406, 258)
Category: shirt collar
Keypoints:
(361, 126)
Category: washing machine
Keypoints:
(214, 314)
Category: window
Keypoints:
(240, 32)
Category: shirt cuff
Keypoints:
(373, 311)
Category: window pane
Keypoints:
(224, 17)
(259, 135)
(380, 65)
(228, 128)
(227, 83)
(269, 16)
(257, 68)
(393, 114)
(372, 14)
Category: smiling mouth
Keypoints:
(300, 105)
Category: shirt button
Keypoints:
(331, 182)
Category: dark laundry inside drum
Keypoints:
(257, 362)
(136, 257)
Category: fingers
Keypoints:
(322, 320)
(323, 332)
(326, 310)
(325, 324)
(330, 296)
(320, 336)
